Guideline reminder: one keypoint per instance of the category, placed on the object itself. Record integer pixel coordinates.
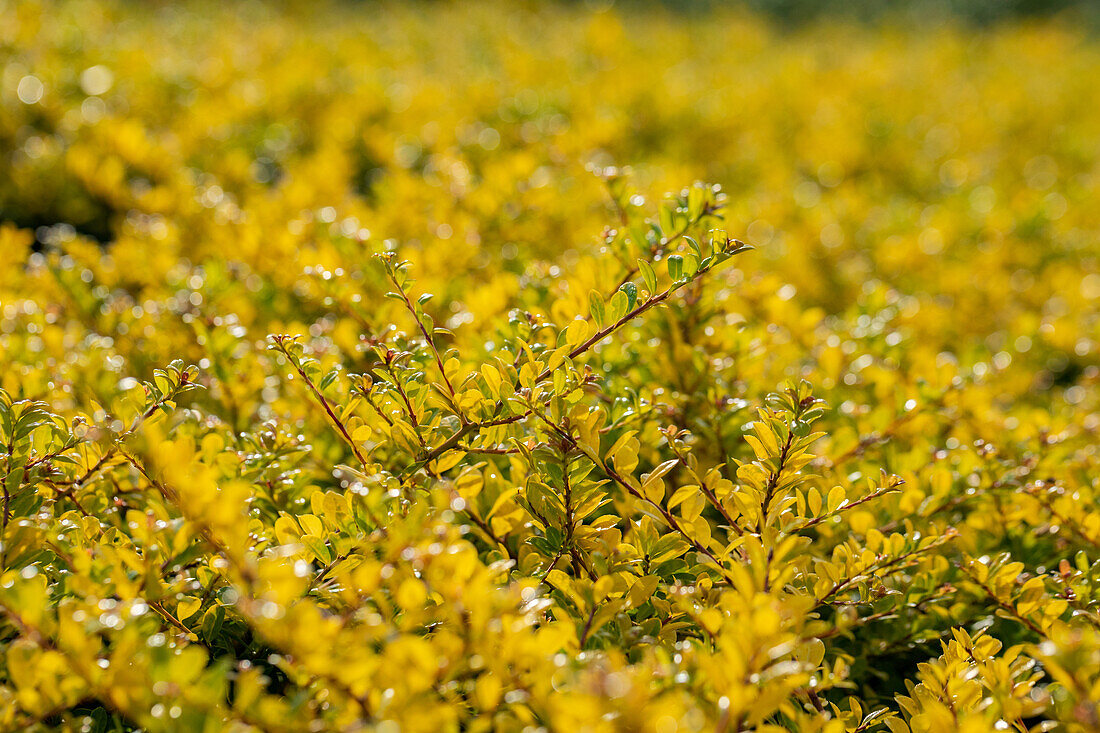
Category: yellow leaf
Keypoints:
(488, 691)
(286, 530)
(576, 332)
(187, 607)
(654, 490)
(449, 460)
(411, 594)
(642, 589)
(693, 506)
(312, 525)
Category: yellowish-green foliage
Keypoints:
(347, 385)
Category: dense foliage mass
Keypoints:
(347, 384)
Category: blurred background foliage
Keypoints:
(980, 12)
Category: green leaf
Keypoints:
(676, 267)
(595, 307)
(212, 622)
(649, 277)
(665, 217)
(318, 548)
(694, 246)
(631, 291)
(691, 266)
(328, 379)
(619, 305)
(697, 199)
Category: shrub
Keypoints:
(504, 469)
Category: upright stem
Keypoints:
(323, 402)
(601, 334)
